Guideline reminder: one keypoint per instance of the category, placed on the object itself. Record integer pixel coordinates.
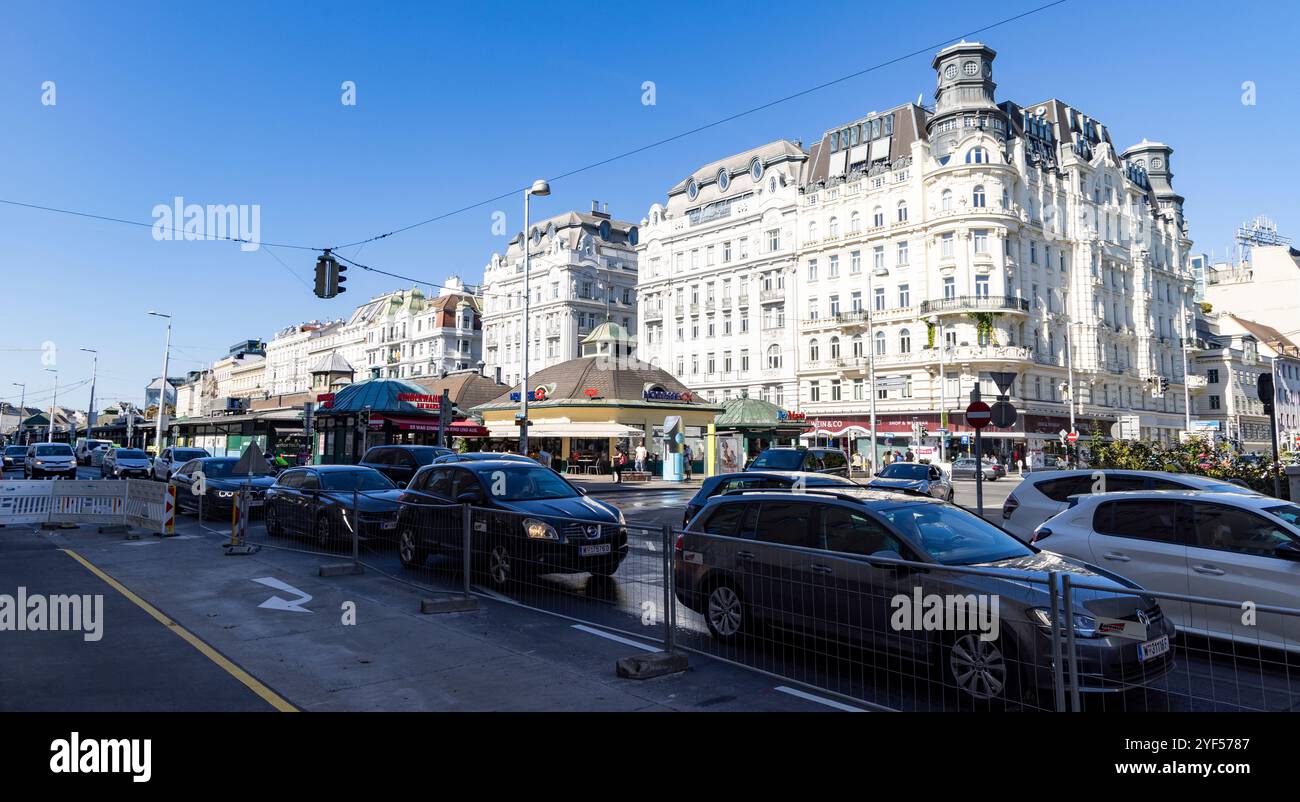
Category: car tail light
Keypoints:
(1040, 533)
(680, 545)
(1009, 506)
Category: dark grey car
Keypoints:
(828, 564)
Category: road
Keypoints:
(632, 604)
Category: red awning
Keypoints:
(411, 424)
(465, 428)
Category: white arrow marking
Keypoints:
(277, 603)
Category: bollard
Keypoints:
(467, 528)
(1071, 656)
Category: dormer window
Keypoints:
(977, 156)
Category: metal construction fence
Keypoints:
(137, 503)
(874, 631)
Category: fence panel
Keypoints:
(25, 501)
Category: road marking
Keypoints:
(493, 593)
(625, 641)
(819, 699)
(252, 683)
(650, 544)
(277, 603)
(142, 543)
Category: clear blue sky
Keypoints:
(239, 103)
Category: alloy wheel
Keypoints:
(406, 547)
(499, 568)
(726, 615)
(979, 667)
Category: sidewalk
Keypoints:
(601, 485)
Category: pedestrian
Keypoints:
(686, 461)
(544, 457)
(619, 465)
(641, 455)
(909, 456)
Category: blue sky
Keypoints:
(239, 103)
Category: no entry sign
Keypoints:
(1073, 437)
(978, 415)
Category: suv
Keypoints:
(13, 457)
(530, 519)
(86, 446)
(836, 566)
(759, 480)
(172, 457)
(806, 460)
(50, 459)
(400, 463)
(1043, 494)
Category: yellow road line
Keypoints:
(269, 696)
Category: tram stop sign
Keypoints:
(977, 415)
(1003, 415)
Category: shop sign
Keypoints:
(668, 395)
(420, 400)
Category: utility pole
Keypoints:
(540, 188)
(94, 373)
(49, 437)
(943, 389)
(22, 407)
(871, 367)
(162, 391)
(1187, 392)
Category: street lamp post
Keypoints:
(1069, 360)
(22, 406)
(541, 189)
(162, 391)
(943, 390)
(49, 437)
(871, 366)
(94, 372)
(1187, 392)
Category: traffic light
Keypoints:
(1164, 384)
(329, 276)
(339, 278)
(1264, 388)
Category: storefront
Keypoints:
(229, 435)
(372, 413)
(749, 425)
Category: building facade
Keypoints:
(582, 272)
(409, 336)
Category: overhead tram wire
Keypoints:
(609, 160)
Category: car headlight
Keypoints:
(225, 494)
(1084, 626)
(540, 530)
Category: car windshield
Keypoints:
(129, 453)
(222, 469)
(526, 483)
(905, 470)
(1287, 512)
(355, 480)
(53, 451)
(16, 451)
(779, 460)
(952, 535)
(181, 454)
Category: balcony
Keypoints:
(654, 314)
(771, 296)
(742, 300)
(843, 320)
(975, 303)
(959, 354)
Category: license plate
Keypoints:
(592, 551)
(1153, 648)
(255, 502)
(388, 525)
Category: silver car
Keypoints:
(914, 477)
(124, 463)
(50, 459)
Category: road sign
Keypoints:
(978, 414)
(1003, 379)
(1003, 415)
(1073, 437)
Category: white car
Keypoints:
(97, 455)
(166, 463)
(1226, 546)
(86, 447)
(1042, 494)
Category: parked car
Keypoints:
(531, 520)
(220, 484)
(313, 502)
(819, 563)
(50, 459)
(804, 460)
(171, 458)
(400, 463)
(930, 480)
(123, 463)
(13, 457)
(472, 456)
(97, 455)
(755, 480)
(85, 446)
(964, 468)
(1043, 494)
(1228, 546)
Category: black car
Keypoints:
(13, 457)
(758, 480)
(831, 565)
(805, 460)
(473, 456)
(527, 520)
(400, 463)
(318, 502)
(220, 483)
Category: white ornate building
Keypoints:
(583, 273)
(409, 336)
(979, 233)
(717, 294)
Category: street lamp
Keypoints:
(541, 189)
(1069, 357)
(943, 389)
(22, 406)
(49, 437)
(162, 391)
(94, 372)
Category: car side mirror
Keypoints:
(1288, 551)
(582, 491)
(469, 497)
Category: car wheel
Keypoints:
(325, 537)
(408, 550)
(982, 670)
(273, 527)
(502, 570)
(726, 614)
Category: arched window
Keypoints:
(774, 357)
(902, 211)
(945, 203)
(905, 342)
(835, 226)
(812, 230)
(835, 348)
(814, 351)
(977, 197)
(977, 156)
(857, 346)
(855, 223)
(877, 217)
(880, 343)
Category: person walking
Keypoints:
(618, 465)
(641, 455)
(686, 461)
